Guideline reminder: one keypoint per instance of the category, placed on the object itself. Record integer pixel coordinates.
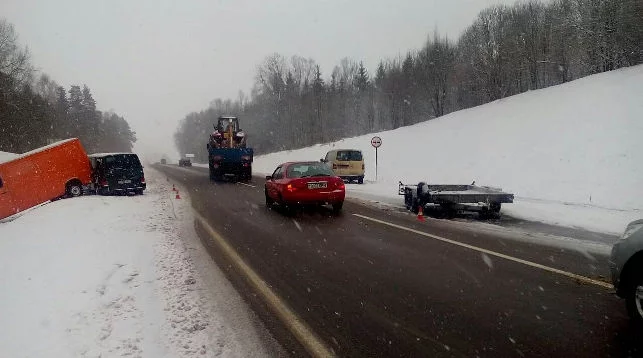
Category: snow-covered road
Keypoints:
(118, 276)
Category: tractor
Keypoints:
(228, 156)
(227, 134)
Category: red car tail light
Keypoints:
(339, 184)
(142, 180)
(217, 158)
(103, 182)
(245, 157)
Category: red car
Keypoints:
(305, 183)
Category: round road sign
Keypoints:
(376, 142)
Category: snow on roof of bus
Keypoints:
(7, 157)
(38, 150)
(95, 155)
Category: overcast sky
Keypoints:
(155, 61)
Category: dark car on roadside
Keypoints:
(117, 173)
(185, 162)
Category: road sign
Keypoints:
(376, 142)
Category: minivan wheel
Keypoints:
(634, 301)
(74, 190)
(360, 180)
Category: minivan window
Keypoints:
(349, 155)
(122, 161)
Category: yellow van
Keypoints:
(347, 164)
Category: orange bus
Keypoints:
(47, 173)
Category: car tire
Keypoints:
(360, 180)
(139, 192)
(269, 200)
(634, 301)
(337, 207)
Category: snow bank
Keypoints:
(574, 144)
(112, 276)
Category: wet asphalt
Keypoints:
(369, 289)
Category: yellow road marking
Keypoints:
(493, 253)
(306, 337)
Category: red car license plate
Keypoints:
(318, 185)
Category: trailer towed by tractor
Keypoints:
(228, 155)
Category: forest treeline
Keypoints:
(505, 51)
(36, 111)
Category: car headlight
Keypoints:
(631, 229)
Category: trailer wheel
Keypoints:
(415, 206)
(495, 207)
(449, 211)
(74, 188)
(411, 202)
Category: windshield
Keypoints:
(349, 155)
(225, 122)
(308, 170)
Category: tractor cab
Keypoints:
(227, 134)
(227, 124)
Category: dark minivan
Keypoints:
(117, 173)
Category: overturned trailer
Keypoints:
(453, 198)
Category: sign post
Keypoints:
(376, 142)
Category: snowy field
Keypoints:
(118, 276)
(572, 154)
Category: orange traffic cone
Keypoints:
(177, 195)
(420, 213)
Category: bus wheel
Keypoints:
(74, 189)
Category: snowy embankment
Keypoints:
(117, 276)
(571, 153)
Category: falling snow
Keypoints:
(487, 260)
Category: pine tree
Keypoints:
(62, 128)
(362, 81)
(318, 98)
